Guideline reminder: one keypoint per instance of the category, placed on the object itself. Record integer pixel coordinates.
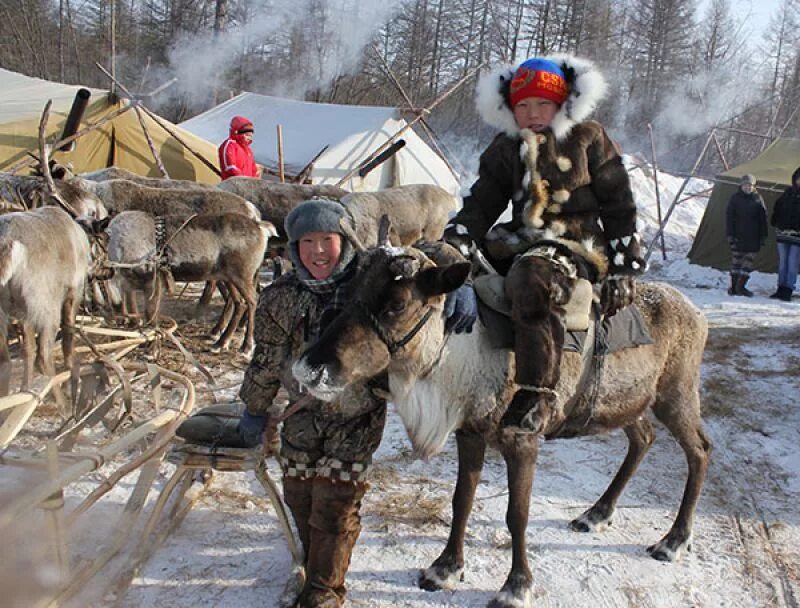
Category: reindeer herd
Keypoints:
(148, 233)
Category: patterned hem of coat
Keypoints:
(330, 468)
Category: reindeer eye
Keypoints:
(395, 307)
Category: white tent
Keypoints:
(351, 133)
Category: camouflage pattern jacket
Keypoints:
(347, 430)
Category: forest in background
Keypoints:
(681, 65)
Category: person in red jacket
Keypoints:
(235, 156)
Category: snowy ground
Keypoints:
(229, 550)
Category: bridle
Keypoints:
(391, 344)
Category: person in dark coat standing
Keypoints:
(786, 219)
(746, 221)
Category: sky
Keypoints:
(759, 11)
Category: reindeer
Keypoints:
(120, 195)
(442, 383)
(44, 262)
(228, 248)
(275, 200)
(31, 192)
(417, 212)
(109, 173)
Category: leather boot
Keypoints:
(734, 285)
(741, 290)
(297, 494)
(784, 294)
(335, 526)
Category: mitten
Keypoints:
(461, 309)
(625, 256)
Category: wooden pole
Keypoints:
(27, 162)
(655, 182)
(280, 155)
(150, 144)
(428, 129)
(160, 122)
(306, 171)
(663, 224)
(720, 152)
(408, 125)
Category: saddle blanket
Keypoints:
(625, 329)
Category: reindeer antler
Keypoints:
(44, 162)
(384, 228)
(348, 231)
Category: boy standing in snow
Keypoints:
(573, 217)
(746, 229)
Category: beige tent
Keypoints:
(120, 142)
(773, 169)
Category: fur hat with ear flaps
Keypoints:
(585, 83)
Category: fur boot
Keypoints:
(741, 290)
(335, 525)
(297, 494)
(538, 293)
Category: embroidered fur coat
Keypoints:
(567, 184)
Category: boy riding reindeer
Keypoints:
(573, 217)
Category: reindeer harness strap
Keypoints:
(391, 344)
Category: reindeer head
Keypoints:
(394, 313)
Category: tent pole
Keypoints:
(658, 193)
(408, 125)
(663, 224)
(281, 174)
(720, 152)
(150, 143)
(27, 162)
(161, 124)
(306, 171)
(425, 125)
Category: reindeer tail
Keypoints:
(11, 255)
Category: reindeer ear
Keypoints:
(436, 281)
(99, 226)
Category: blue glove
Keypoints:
(461, 309)
(251, 429)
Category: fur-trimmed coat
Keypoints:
(567, 183)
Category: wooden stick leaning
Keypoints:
(655, 183)
(150, 144)
(408, 125)
(160, 122)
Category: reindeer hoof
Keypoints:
(218, 348)
(214, 336)
(669, 549)
(437, 578)
(247, 351)
(590, 521)
(516, 593)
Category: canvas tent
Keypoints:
(120, 142)
(351, 133)
(773, 169)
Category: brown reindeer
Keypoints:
(442, 383)
(228, 248)
(44, 262)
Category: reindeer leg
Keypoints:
(152, 303)
(28, 354)
(205, 298)
(238, 310)
(5, 357)
(640, 437)
(227, 311)
(69, 310)
(685, 424)
(448, 569)
(520, 457)
(249, 295)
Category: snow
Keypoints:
(229, 550)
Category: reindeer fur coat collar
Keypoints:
(566, 184)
